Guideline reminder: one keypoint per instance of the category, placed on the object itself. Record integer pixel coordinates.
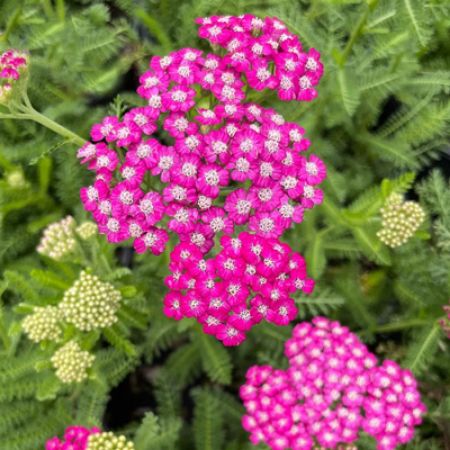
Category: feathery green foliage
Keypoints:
(380, 123)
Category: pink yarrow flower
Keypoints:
(332, 389)
(221, 290)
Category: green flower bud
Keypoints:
(86, 230)
(400, 220)
(108, 441)
(90, 303)
(58, 239)
(43, 324)
(71, 363)
(16, 180)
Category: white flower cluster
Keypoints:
(400, 220)
(71, 363)
(43, 324)
(58, 239)
(90, 303)
(86, 230)
(108, 441)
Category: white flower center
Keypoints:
(126, 197)
(146, 206)
(243, 206)
(217, 224)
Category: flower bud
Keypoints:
(43, 325)
(71, 363)
(400, 220)
(107, 441)
(86, 230)
(58, 239)
(90, 303)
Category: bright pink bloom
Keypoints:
(332, 390)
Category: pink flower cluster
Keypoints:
(249, 280)
(75, 438)
(445, 322)
(169, 165)
(11, 63)
(267, 54)
(332, 389)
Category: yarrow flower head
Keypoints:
(333, 389)
(43, 324)
(90, 303)
(71, 363)
(400, 220)
(58, 240)
(227, 143)
(75, 438)
(86, 230)
(12, 66)
(107, 441)
(267, 53)
(251, 278)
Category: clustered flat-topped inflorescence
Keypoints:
(81, 438)
(71, 363)
(58, 239)
(12, 63)
(202, 140)
(250, 279)
(332, 390)
(400, 220)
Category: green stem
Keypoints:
(392, 327)
(56, 127)
(357, 31)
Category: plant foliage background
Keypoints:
(381, 125)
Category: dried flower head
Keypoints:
(90, 303)
(43, 324)
(400, 220)
(58, 239)
(71, 363)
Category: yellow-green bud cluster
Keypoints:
(90, 303)
(71, 363)
(108, 441)
(400, 220)
(86, 230)
(43, 325)
(16, 180)
(58, 239)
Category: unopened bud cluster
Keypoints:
(43, 324)
(400, 220)
(90, 303)
(445, 322)
(58, 240)
(71, 363)
(108, 441)
(16, 180)
(86, 230)
(12, 65)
